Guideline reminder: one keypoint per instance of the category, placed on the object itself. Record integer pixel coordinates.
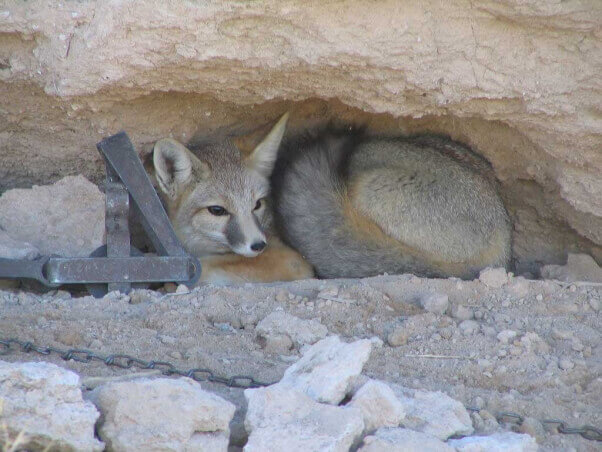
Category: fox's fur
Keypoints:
(218, 202)
(356, 205)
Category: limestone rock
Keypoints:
(13, 249)
(579, 267)
(326, 370)
(300, 331)
(498, 442)
(434, 413)
(493, 277)
(379, 405)
(65, 218)
(162, 414)
(283, 419)
(403, 440)
(434, 302)
(45, 401)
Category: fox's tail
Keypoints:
(313, 213)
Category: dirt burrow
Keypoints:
(533, 347)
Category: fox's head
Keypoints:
(216, 197)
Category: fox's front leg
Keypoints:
(277, 263)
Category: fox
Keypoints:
(357, 205)
(218, 201)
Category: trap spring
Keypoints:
(239, 381)
(117, 265)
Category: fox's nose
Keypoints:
(258, 246)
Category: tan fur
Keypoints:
(366, 229)
(277, 263)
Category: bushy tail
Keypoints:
(314, 216)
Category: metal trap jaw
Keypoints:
(117, 265)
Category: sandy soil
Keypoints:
(550, 366)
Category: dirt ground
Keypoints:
(547, 362)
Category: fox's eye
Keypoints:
(218, 211)
(258, 204)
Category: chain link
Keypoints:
(586, 431)
(123, 361)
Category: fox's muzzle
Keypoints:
(245, 236)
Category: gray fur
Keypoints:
(429, 194)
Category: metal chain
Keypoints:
(238, 381)
(586, 431)
(123, 361)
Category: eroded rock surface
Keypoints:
(434, 413)
(299, 331)
(280, 418)
(162, 414)
(326, 370)
(519, 81)
(65, 218)
(379, 406)
(498, 442)
(14, 249)
(44, 402)
(403, 440)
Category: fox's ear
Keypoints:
(174, 165)
(263, 157)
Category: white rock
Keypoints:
(398, 336)
(506, 336)
(281, 419)
(13, 249)
(468, 327)
(435, 302)
(66, 218)
(579, 267)
(403, 440)
(45, 401)
(498, 442)
(493, 277)
(461, 312)
(379, 406)
(300, 331)
(162, 414)
(519, 287)
(434, 413)
(326, 369)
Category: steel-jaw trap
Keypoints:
(117, 265)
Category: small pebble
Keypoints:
(478, 403)
(174, 354)
(493, 277)
(398, 336)
(533, 427)
(434, 302)
(95, 345)
(539, 297)
(561, 334)
(506, 336)
(182, 289)
(461, 312)
(468, 327)
(447, 332)
(170, 287)
(594, 304)
(281, 296)
(167, 340)
(565, 364)
(577, 345)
